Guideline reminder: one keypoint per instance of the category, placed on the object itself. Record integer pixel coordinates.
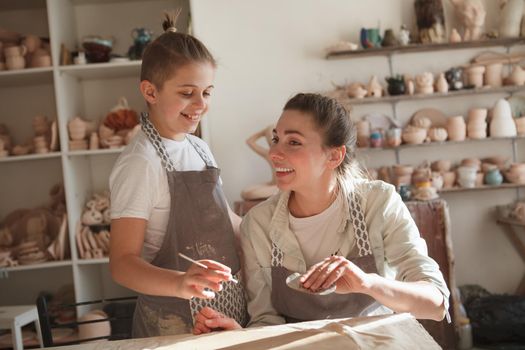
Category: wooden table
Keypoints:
(511, 227)
(399, 331)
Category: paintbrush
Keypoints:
(201, 265)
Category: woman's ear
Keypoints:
(337, 155)
(149, 91)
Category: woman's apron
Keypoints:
(199, 226)
(296, 306)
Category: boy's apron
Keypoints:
(296, 306)
(199, 227)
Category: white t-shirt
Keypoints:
(317, 235)
(139, 185)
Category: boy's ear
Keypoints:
(336, 156)
(149, 91)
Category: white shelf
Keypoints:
(109, 70)
(503, 186)
(29, 157)
(95, 152)
(27, 76)
(46, 265)
(93, 261)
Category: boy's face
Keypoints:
(179, 105)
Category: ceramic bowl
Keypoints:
(401, 170)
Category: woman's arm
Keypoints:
(130, 270)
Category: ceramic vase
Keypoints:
(456, 128)
(510, 18)
(493, 74)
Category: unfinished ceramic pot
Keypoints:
(449, 179)
(517, 76)
(96, 329)
(502, 123)
(456, 128)
(454, 36)
(475, 75)
(493, 74)
(467, 176)
(520, 126)
(77, 129)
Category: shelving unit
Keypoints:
(61, 93)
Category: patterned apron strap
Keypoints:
(359, 224)
(155, 139)
(277, 256)
(201, 153)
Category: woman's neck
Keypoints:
(304, 204)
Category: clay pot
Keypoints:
(467, 176)
(393, 137)
(475, 75)
(449, 178)
(441, 84)
(437, 134)
(477, 115)
(41, 61)
(15, 62)
(493, 74)
(414, 135)
(472, 162)
(423, 123)
(456, 128)
(425, 83)
(520, 126)
(15, 51)
(517, 76)
(77, 129)
(363, 133)
(401, 170)
(32, 42)
(441, 165)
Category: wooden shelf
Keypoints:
(418, 97)
(510, 221)
(387, 51)
(481, 188)
(444, 143)
(29, 157)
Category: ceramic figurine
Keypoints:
(454, 78)
(510, 18)
(425, 83)
(441, 83)
(404, 36)
(389, 39)
(356, 90)
(471, 14)
(265, 190)
(396, 85)
(430, 20)
(374, 89)
(454, 36)
(517, 76)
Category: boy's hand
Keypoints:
(208, 320)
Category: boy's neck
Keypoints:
(163, 131)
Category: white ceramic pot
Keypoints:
(502, 123)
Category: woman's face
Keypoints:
(299, 159)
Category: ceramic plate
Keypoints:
(292, 281)
(517, 105)
(437, 117)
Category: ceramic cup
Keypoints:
(15, 51)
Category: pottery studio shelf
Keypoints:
(45, 265)
(28, 76)
(109, 70)
(465, 92)
(444, 143)
(481, 188)
(95, 152)
(93, 261)
(392, 50)
(30, 157)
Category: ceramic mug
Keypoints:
(15, 51)
(15, 62)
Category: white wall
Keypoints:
(269, 50)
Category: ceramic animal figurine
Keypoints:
(441, 83)
(454, 78)
(510, 18)
(425, 83)
(356, 90)
(430, 20)
(471, 14)
(374, 89)
(404, 36)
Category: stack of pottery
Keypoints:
(516, 173)
(363, 133)
(467, 176)
(77, 133)
(477, 125)
(443, 167)
(14, 57)
(502, 123)
(403, 174)
(414, 135)
(475, 76)
(456, 128)
(520, 126)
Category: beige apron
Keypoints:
(199, 227)
(296, 306)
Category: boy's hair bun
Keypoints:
(170, 19)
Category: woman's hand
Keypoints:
(347, 277)
(208, 320)
(193, 282)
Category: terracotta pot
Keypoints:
(449, 178)
(442, 165)
(414, 135)
(493, 74)
(520, 126)
(475, 75)
(15, 62)
(456, 128)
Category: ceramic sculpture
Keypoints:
(268, 189)
(510, 18)
(471, 14)
(430, 20)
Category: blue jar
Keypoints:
(493, 177)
